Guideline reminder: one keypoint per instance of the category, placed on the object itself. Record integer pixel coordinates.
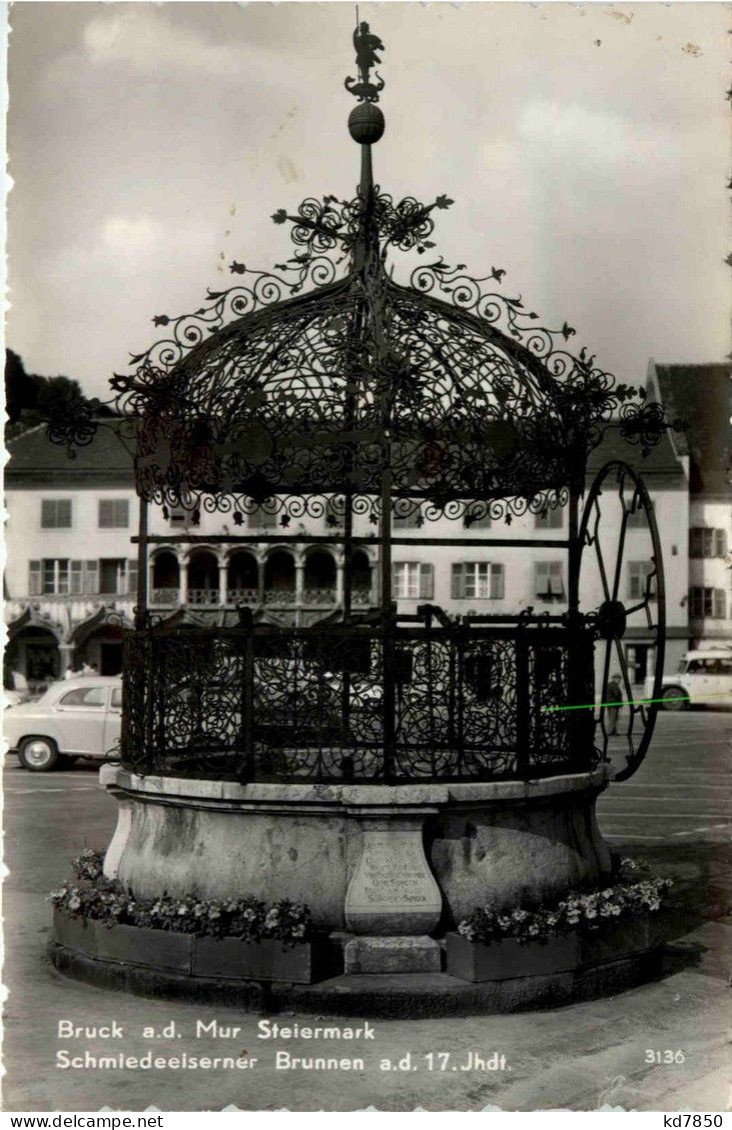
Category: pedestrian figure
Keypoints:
(613, 700)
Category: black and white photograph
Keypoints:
(367, 703)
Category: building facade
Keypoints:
(71, 574)
(701, 395)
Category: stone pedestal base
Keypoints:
(411, 954)
(392, 890)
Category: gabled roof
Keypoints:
(35, 461)
(701, 395)
(661, 467)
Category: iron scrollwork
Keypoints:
(326, 379)
(318, 704)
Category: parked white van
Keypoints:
(703, 678)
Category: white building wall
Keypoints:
(26, 540)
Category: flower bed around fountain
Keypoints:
(242, 939)
(233, 938)
(584, 930)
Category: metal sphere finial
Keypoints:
(366, 123)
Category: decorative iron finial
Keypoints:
(366, 121)
(366, 45)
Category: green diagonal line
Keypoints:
(635, 702)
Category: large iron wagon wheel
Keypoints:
(620, 555)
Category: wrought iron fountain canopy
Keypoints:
(327, 389)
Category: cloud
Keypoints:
(145, 39)
(129, 237)
(598, 138)
(602, 144)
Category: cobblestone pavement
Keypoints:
(676, 813)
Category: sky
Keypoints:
(586, 147)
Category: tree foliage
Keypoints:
(31, 399)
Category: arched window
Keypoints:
(203, 578)
(242, 579)
(279, 578)
(320, 578)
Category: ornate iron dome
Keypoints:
(324, 380)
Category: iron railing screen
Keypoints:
(358, 704)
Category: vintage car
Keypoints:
(704, 678)
(77, 717)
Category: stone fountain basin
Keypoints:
(374, 860)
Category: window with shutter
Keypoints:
(541, 577)
(477, 580)
(132, 576)
(476, 574)
(76, 577)
(458, 582)
(407, 580)
(549, 579)
(720, 543)
(55, 513)
(426, 581)
(55, 576)
(719, 604)
(497, 582)
(34, 578)
(114, 513)
(695, 541)
(637, 580)
(556, 578)
(49, 576)
(91, 576)
(62, 576)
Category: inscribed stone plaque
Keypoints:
(393, 890)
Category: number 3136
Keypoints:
(665, 1055)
